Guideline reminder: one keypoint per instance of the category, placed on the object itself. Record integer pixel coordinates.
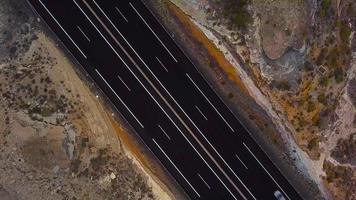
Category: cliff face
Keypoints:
(297, 61)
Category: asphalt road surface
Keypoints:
(154, 85)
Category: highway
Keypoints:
(158, 90)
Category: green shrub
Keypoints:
(324, 81)
(312, 144)
(283, 85)
(236, 12)
(316, 120)
(325, 5)
(339, 75)
(308, 66)
(311, 106)
(322, 99)
(230, 95)
(345, 32)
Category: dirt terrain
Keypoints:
(59, 138)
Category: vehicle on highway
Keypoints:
(279, 195)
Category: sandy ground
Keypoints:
(60, 138)
(97, 119)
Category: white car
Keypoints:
(279, 195)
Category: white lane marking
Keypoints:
(172, 37)
(85, 35)
(201, 112)
(175, 102)
(241, 161)
(160, 127)
(176, 167)
(210, 103)
(160, 62)
(200, 132)
(189, 119)
(123, 82)
(206, 184)
(264, 169)
(119, 97)
(180, 131)
(122, 15)
(153, 32)
(75, 44)
(228, 166)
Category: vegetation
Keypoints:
(236, 13)
(345, 150)
(316, 120)
(282, 85)
(312, 144)
(335, 173)
(339, 75)
(230, 95)
(322, 99)
(311, 106)
(324, 81)
(308, 66)
(325, 5)
(344, 31)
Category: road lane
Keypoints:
(110, 60)
(224, 139)
(112, 34)
(178, 88)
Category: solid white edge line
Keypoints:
(210, 85)
(201, 112)
(206, 98)
(180, 131)
(197, 128)
(153, 32)
(160, 127)
(122, 15)
(118, 97)
(175, 167)
(265, 169)
(228, 166)
(75, 44)
(190, 120)
(160, 62)
(85, 35)
(206, 184)
(123, 82)
(241, 161)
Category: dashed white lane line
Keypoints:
(165, 133)
(122, 15)
(253, 155)
(123, 82)
(206, 98)
(201, 113)
(180, 131)
(85, 35)
(75, 44)
(206, 183)
(144, 21)
(133, 115)
(241, 161)
(164, 153)
(160, 62)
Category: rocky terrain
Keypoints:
(297, 61)
(58, 138)
(286, 68)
